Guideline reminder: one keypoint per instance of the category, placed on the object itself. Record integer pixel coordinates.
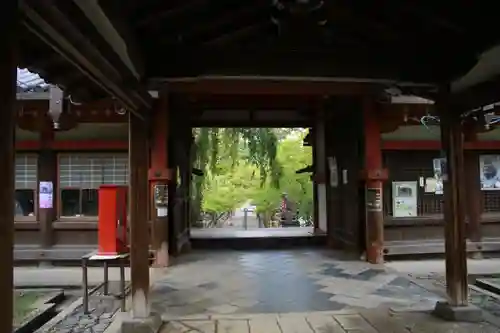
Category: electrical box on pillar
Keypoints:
(112, 225)
(161, 200)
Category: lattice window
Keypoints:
(91, 171)
(115, 170)
(26, 179)
(26, 171)
(491, 201)
(80, 176)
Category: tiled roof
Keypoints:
(30, 82)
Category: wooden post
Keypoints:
(374, 175)
(8, 62)
(472, 191)
(47, 172)
(314, 184)
(454, 203)
(159, 174)
(320, 171)
(179, 160)
(457, 308)
(139, 235)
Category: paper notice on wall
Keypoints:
(334, 175)
(46, 194)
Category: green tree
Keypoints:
(267, 200)
(250, 164)
(292, 155)
(217, 151)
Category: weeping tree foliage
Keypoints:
(293, 156)
(212, 146)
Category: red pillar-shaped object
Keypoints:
(374, 175)
(112, 225)
(159, 175)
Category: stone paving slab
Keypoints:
(232, 282)
(366, 321)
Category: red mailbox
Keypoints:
(112, 225)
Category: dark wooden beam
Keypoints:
(427, 15)
(226, 21)
(240, 34)
(479, 95)
(268, 87)
(53, 27)
(272, 60)
(342, 15)
(9, 21)
(104, 13)
(245, 102)
(169, 12)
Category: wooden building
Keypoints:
(90, 148)
(333, 61)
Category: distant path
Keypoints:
(238, 222)
(252, 233)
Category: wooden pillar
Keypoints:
(374, 174)
(179, 159)
(186, 178)
(138, 199)
(320, 171)
(47, 172)
(314, 183)
(472, 191)
(159, 174)
(454, 203)
(8, 62)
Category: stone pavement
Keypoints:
(287, 290)
(278, 282)
(364, 321)
(431, 275)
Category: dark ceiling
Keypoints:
(415, 41)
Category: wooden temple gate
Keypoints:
(71, 46)
(98, 131)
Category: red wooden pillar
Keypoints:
(8, 61)
(374, 175)
(47, 172)
(159, 175)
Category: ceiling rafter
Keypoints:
(45, 21)
(426, 15)
(176, 10)
(340, 14)
(412, 41)
(239, 34)
(116, 36)
(229, 18)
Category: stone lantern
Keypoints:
(56, 104)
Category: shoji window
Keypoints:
(26, 178)
(81, 174)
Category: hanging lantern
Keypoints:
(56, 104)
